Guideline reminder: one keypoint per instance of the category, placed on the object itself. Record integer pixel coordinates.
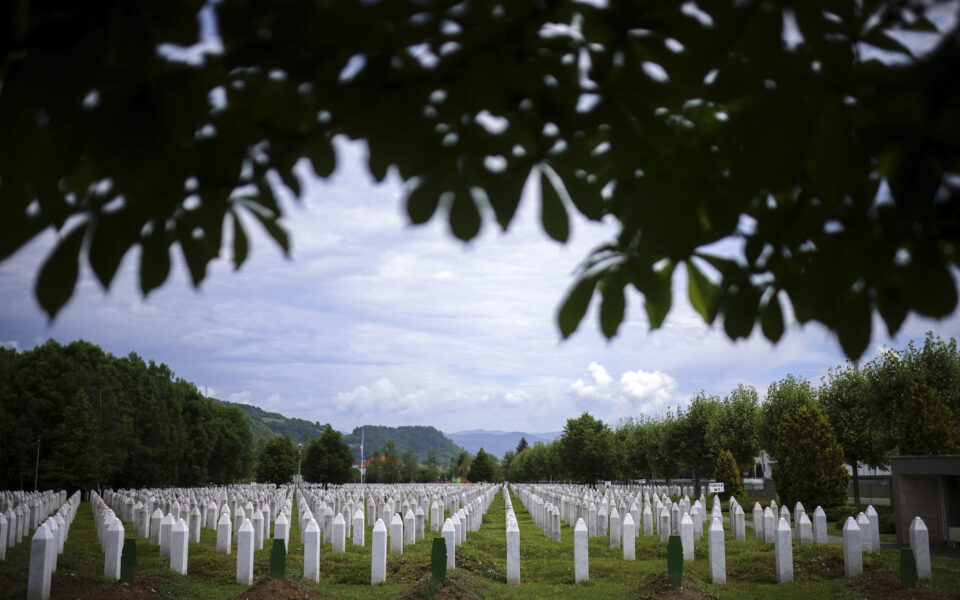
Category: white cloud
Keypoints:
(635, 393)
(11, 345)
(244, 397)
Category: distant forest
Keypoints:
(104, 421)
(421, 439)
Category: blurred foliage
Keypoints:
(766, 122)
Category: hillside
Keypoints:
(265, 424)
(497, 442)
(418, 437)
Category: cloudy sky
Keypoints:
(375, 321)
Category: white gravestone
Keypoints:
(311, 551)
(449, 533)
(920, 544)
(223, 534)
(338, 542)
(246, 543)
(852, 549)
(819, 526)
(718, 559)
(378, 559)
(513, 551)
(629, 538)
(783, 551)
(179, 546)
(581, 550)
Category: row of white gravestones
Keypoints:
(383, 501)
(770, 524)
(46, 545)
(454, 532)
(23, 512)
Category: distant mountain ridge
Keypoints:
(498, 442)
(421, 439)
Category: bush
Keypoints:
(810, 466)
(726, 471)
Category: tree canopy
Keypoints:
(277, 461)
(328, 459)
(107, 421)
(773, 125)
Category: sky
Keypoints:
(376, 321)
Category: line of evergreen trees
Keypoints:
(107, 421)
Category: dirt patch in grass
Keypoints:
(657, 587)
(885, 585)
(123, 591)
(459, 585)
(273, 589)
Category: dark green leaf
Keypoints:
(771, 319)
(422, 202)
(553, 214)
(464, 216)
(239, 242)
(111, 240)
(613, 303)
(575, 305)
(58, 276)
(154, 263)
(657, 289)
(704, 294)
(740, 310)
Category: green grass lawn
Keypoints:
(546, 569)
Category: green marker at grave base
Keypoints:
(128, 560)
(438, 559)
(908, 568)
(278, 560)
(675, 561)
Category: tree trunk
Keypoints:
(856, 481)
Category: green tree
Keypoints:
(277, 462)
(861, 424)
(467, 120)
(727, 471)
(410, 468)
(584, 448)
(328, 459)
(696, 448)
(390, 469)
(737, 426)
(483, 467)
(927, 425)
(77, 457)
(783, 397)
(522, 445)
(810, 464)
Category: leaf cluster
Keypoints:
(684, 127)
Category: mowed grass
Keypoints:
(546, 568)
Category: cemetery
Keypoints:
(448, 540)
